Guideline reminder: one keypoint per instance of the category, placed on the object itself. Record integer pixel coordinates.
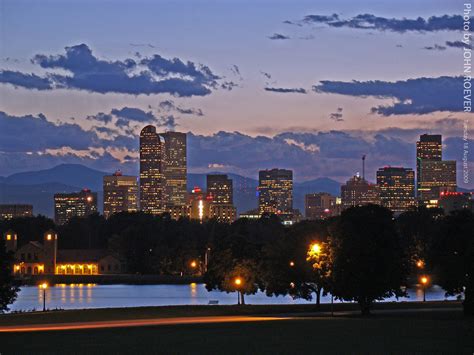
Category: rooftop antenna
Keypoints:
(363, 167)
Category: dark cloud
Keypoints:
(337, 116)
(436, 47)
(414, 96)
(228, 85)
(101, 117)
(266, 75)
(286, 90)
(277, 36)
(152, 75)
(134, 114)
(372, 22)
(169, 105)
(142, 45)
(458, 44)
(30, 81)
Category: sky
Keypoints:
(306, 85)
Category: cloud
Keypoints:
(169, 105)
(153, 75)
(401, 25)
(134, 114)
(413, 96)
(337, 116)
(278, 36)
(436, 47)
(458, 44)
(286, 90)
(266, 75)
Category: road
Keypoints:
(135, 323)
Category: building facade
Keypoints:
(454, 201)
(175, 168)
(35, 258)
(220, 189)
(397, 188)
(433, 174)
(76, 204)
(152, 171)
(358, 192)
(320, 205)
(120, 194)
(9, 211)
(275, 191)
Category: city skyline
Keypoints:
(293, 97)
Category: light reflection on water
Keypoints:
(78, 296)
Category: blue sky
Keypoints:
(230, 76)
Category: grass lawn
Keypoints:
(423, 332)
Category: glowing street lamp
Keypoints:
(193, 264)
(238, 283)
(420, 264)
(292, 263)
(315, 248)
(44, 286)
(424, 281)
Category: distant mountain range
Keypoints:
(38, 187)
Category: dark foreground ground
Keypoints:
(434, 330)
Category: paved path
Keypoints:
(135, 323)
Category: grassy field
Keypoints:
(84, 315)
(433, 332)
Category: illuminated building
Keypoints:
(252, 214)
(35, 258)
(9, 211)
(120, 194)
(219, 187)
(152, 168)
(453, 201)
(437, 177)
(434, 175)
(275, 191)
(175, 168)
(200, 205)
(320, 205)
(223, 212)
(358, 192)
(177, 212)
(76, 204)
(397, 188)
(220, 194)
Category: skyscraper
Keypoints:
(433, 174)
(275, 191)
(152, 171)
(9, 211)
(76, 204)
(319, 205)
(120, 194)
(175, 168)
(220, 188)
(358, 192)
(397, 188)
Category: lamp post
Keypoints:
(238, 283)
(44, 286)
(424, 282)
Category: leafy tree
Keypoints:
(453, 256)
(368, 256)
(8, 287)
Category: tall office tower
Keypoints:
(358, 192)
(76, 204)
(397, 188)
(152, 168)
(436, 177)
(120, 194)
(275, 190)
(175, 168)
(200, 204)
(433, 174)
(10, 211)
(220, 188)
(320, 205)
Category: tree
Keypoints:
(453, 256)
(369, 261)
(8, 287)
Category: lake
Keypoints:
(78, 296)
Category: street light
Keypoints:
(292, 263)
(44, 286)
(238, 283)
(193, 264)
(420, 264)
(315, 248)
(424, 281)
